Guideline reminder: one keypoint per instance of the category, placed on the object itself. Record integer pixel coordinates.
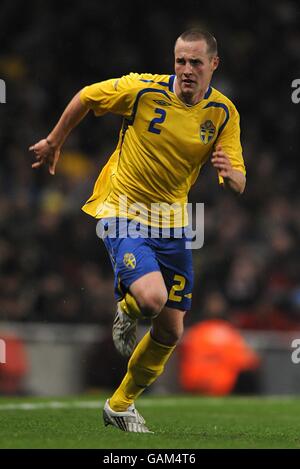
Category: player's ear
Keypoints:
(215, 60)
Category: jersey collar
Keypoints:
(172, 82)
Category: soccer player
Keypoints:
(172, 124)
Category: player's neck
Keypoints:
(188, 99)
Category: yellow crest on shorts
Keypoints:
(129, 260)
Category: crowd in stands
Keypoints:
(53, 267)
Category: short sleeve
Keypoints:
(116, 95)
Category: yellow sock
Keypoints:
(145, 365)
(130, 306)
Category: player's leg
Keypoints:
(139, 286)
(150, 293)
(146, 297)
(168, 327)
(152, 353)
(149, 357)
(144, 367)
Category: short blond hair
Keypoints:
(201, 35)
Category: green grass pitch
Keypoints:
(177, 421)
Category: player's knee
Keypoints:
(167, 335)
(151, 304)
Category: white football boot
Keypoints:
(128, 421)
(124, 332)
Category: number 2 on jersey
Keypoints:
(157, 120)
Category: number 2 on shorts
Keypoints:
(177, 287)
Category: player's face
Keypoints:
(193, 69)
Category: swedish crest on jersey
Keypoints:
(129, 260)
(207, 131)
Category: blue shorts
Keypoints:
(133, 257)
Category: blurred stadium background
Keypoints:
(56, 284)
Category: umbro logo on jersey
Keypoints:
(161, 102)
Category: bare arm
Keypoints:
(233, 178)
(47, 150)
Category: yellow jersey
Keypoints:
(162, 146)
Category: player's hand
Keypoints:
(45, 153)
(221, 162)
